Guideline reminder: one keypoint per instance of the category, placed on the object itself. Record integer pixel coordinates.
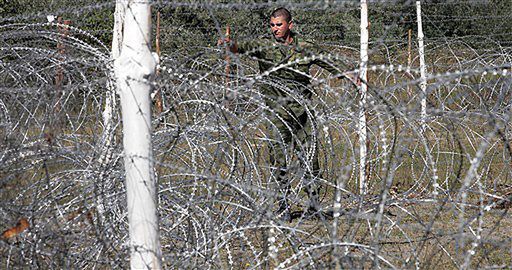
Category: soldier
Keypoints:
(285, 60)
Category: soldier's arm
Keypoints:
(335, 66)
(342, 70)
(250, 47)
(328, 65)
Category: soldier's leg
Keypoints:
(281, 136)
(279, 174)
(308, 149)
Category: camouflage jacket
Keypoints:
(286, 62)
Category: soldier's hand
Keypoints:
(353, 76)
(226, 39)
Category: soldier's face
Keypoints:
(280, 27)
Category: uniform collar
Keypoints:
(294, 36)
(294, 39)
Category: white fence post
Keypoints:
(362, 102)
(135, 70)
(423, 68)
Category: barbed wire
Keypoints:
(438, 196)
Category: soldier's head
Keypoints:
(281, 24)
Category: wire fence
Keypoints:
(437, 196)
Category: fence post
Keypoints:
(63, 30)
(135, 70)
(409, 61)
(159, 105)
(362, 101)
(423, 72)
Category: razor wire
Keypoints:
(217, 194)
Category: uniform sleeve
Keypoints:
(253, 47)
(329, 66)
(248, 46)
(328, 62)
(242, 46)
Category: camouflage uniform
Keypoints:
(287, 92)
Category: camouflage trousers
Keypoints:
(293, 134)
